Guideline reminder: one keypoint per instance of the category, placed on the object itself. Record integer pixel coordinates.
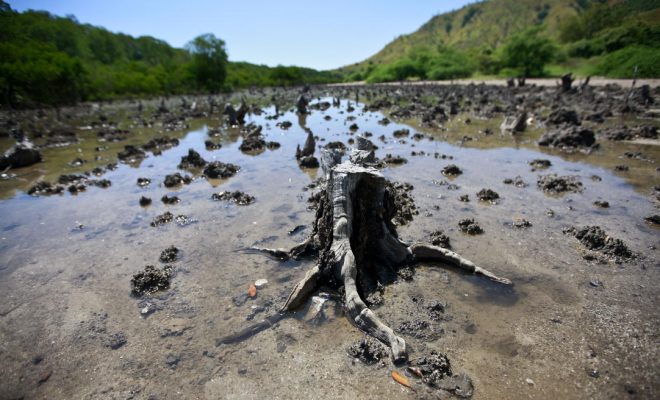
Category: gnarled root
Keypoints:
(363, 317)
(295, 253)
(303, 289)
(427, 252)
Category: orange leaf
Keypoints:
(252, 290)
(401, 379)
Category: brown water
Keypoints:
(66, 289)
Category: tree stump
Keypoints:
(357, 243)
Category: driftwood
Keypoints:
(357, 245)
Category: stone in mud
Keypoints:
(469, 226)
(540, 163)
(217, 169)
(367, 350)
(553, 183)
(238, 197)
(131, 154)
(438, 238)
(488, 195)
(451, 170)
(142, 182)
(594, 238)
(145, 201)
(176, 179)
(602, 204)
(570, 138)
(170, 199)
(151, 280)
(564, 116)
(253, 142)
(169, 255)
(354, 127)
(192, 160)
(20, 155)
(284, 124)
(464, 198)
(162, 219)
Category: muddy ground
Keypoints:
(581, 320)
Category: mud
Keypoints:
(438, 238)
(66, 260)
(451, 170)
(169, 255)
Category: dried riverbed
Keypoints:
(581, 320)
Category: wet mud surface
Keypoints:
(123, 262)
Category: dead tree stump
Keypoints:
(357, 243)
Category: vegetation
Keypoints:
(50, 60)
(614, 38)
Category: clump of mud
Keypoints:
(169, 255)
(170, 199)
(552, 183)
(367, 350)
(42, 188)
(488, 195)
(594, 238)
(394, 160)
(151, 280)
(433, 367)
(238, 197)
(399, 133)
(438, 238)
(162, 219)
(517, 182)
(469, 226)
(217, 169)
(401, 201)
(569, 139)
(520, 223)
(131, 154)
(176, 179)
(540, 163)
(451, 170)
(192, 160)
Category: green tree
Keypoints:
(209, 61)
(528, 52)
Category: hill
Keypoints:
(50, 60)
(480, 30)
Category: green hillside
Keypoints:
(470, 40)
(50, 60)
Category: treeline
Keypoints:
(618, 41)
(50, 60)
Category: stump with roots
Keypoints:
(357, 244)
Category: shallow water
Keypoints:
(66, 262)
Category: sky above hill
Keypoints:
(309, 33)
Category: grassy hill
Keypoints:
(479, 31)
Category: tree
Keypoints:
(528, 52)
(209, 61)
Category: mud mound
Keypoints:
(553, 183)
(151, 280)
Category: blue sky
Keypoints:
(317, 34)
